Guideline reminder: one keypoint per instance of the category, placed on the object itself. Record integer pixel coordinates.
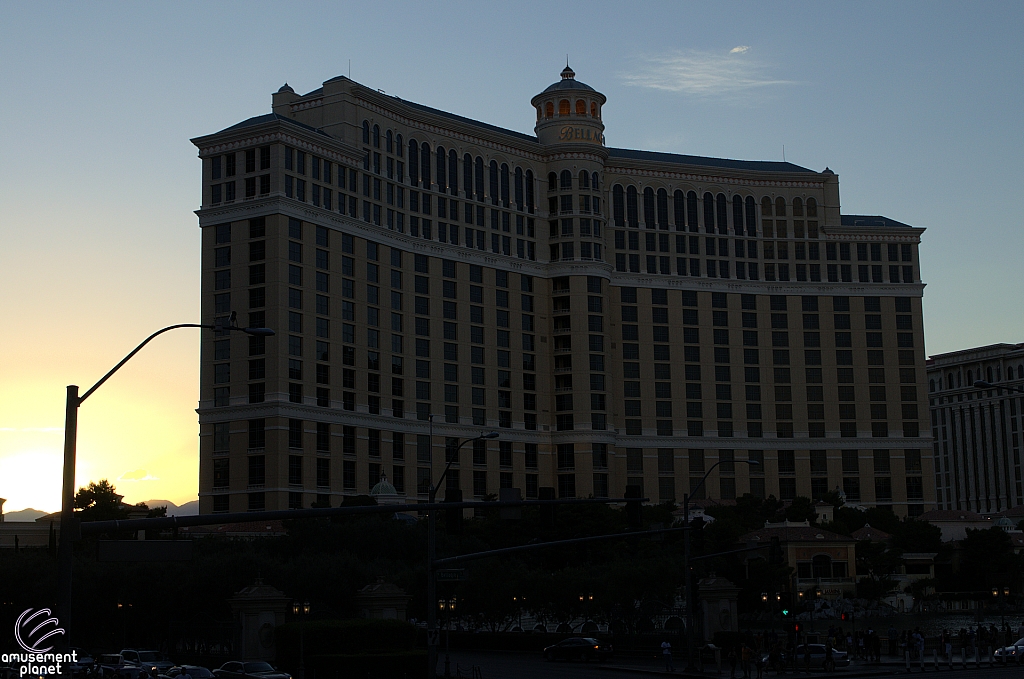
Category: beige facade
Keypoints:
(619, 317)
(977, 432)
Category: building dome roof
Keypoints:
(569, 82)
(286, 88)
(383, 488)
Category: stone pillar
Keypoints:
(257, 611)
(718, 598)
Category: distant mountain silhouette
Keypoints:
(187, 509)
(24, 515)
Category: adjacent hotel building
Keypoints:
(619, 317)
(977, 432)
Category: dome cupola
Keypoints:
(569, 111)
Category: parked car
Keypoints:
(194, 671)
(240, 670)
(1014, 651)
(114, 665)
(578, 648)
(85, 663)
(840, 658)
(153, 662)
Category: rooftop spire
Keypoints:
(568, 73)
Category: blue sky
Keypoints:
(917, 106)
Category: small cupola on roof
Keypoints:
(569, 111)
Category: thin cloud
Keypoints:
(137, 475)
(703, 73)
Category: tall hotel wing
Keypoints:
(620, 317)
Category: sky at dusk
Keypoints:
(916, 105)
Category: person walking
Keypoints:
(746, 655)
(666, 654)
(830, 663)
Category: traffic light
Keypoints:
(796, 627)
(775, 552)
(843, 617)
(633, 509)
(453, 517)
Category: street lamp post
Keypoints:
(1005, 592)
(432, 554)
(68, 524)
(301, 611)
(690, 666)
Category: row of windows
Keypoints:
(687, 208)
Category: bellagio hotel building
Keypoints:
(619, 317)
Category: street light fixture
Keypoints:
(301, 611)
(690, 666)
(68, 526)
(432, 554)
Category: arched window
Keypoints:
(632, 218)
(812, 207)
(565, 180)
(1020, 371)
(549, 109)
(441, 157)
(519, 189)
(389, 140)
(581, 107)
(366, 132)
(563, 107)
(529, 192)
(679, 210)
(649, 218)
(414, 162)
(453, 172)
(594, 181)
(709, 213)
(988, 375)
(751, 217)
(949, 380)
(798, 207)
(376, 136)
(780, 207)
(492, 185)
(467, 175)
(723, 218)
(618, 206)
(504, 185)
(593, 109)
(479, 178)
(425, 164)
(552, 181)
(737, 215)
(400, 146)
(1009, 373)
(662, 209)
(691, 211)
(931, 386)
(584, 179)
(766, 207)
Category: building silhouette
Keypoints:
(620, 317)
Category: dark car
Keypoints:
(194, 671)
(1012, 652)
(114, 665)
(153, 662)
(578, 648)
(240, 670)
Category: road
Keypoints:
(510, 665)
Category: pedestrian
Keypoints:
(830, 663)
(1020, 630)
(807, 658)
(184, 673)
(893, 637)
(947, 644)
(746, 655)
(666, 653)
(732, 662)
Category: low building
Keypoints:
(820, 558)
(954, 523)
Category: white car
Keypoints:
(1012, 652)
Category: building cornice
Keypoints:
(654, 170)
(277, 132)
(905, 234)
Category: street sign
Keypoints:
(451, 575)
